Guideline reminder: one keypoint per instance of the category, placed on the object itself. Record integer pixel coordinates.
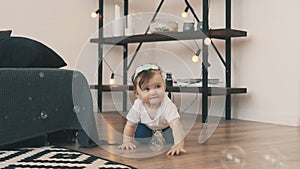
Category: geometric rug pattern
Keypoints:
(54, 157)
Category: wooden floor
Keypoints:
(235, 144)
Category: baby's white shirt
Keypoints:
(165, 114)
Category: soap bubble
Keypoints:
(43, 115)
(156, 143)
(233, 157)
(76, 109)
(273, 159)
(41, 74)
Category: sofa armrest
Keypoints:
(37, 101)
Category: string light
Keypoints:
(112, 80)
(207, 41)
(95, 13)
(195, 57)
(184, 14)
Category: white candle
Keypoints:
(117, 12)
(118, 23)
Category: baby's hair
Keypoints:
(144, 77)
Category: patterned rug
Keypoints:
(54, 157)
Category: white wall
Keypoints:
(266, 62)
(63, 25)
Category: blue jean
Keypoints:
(143, 134)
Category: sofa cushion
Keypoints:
(5, 33)
(24, 52)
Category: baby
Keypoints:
(152, 112)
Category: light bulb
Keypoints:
(94, 15)
(195, 58)
(184, 14)
(207, 41)
(112, 80)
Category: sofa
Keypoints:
(40, 99)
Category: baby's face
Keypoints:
(153, 92)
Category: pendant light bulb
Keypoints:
(95, 13)
(195, 57)
(184, 14)
(112, 80)
(207, 41)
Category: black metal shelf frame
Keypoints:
(224, 33)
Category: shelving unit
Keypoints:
(225, 34)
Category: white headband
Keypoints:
(144, 67)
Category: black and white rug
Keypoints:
(54, 157)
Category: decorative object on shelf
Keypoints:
(169, 79)
(163, 25)
(188, 26)
(199, 26)
(197, 82)
(118, 23)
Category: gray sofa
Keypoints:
(38, 98)
(39, 101)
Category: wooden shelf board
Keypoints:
(226, 33)
(211, 90)
(171, 36)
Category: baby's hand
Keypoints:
(127, 146)
(176, 150)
